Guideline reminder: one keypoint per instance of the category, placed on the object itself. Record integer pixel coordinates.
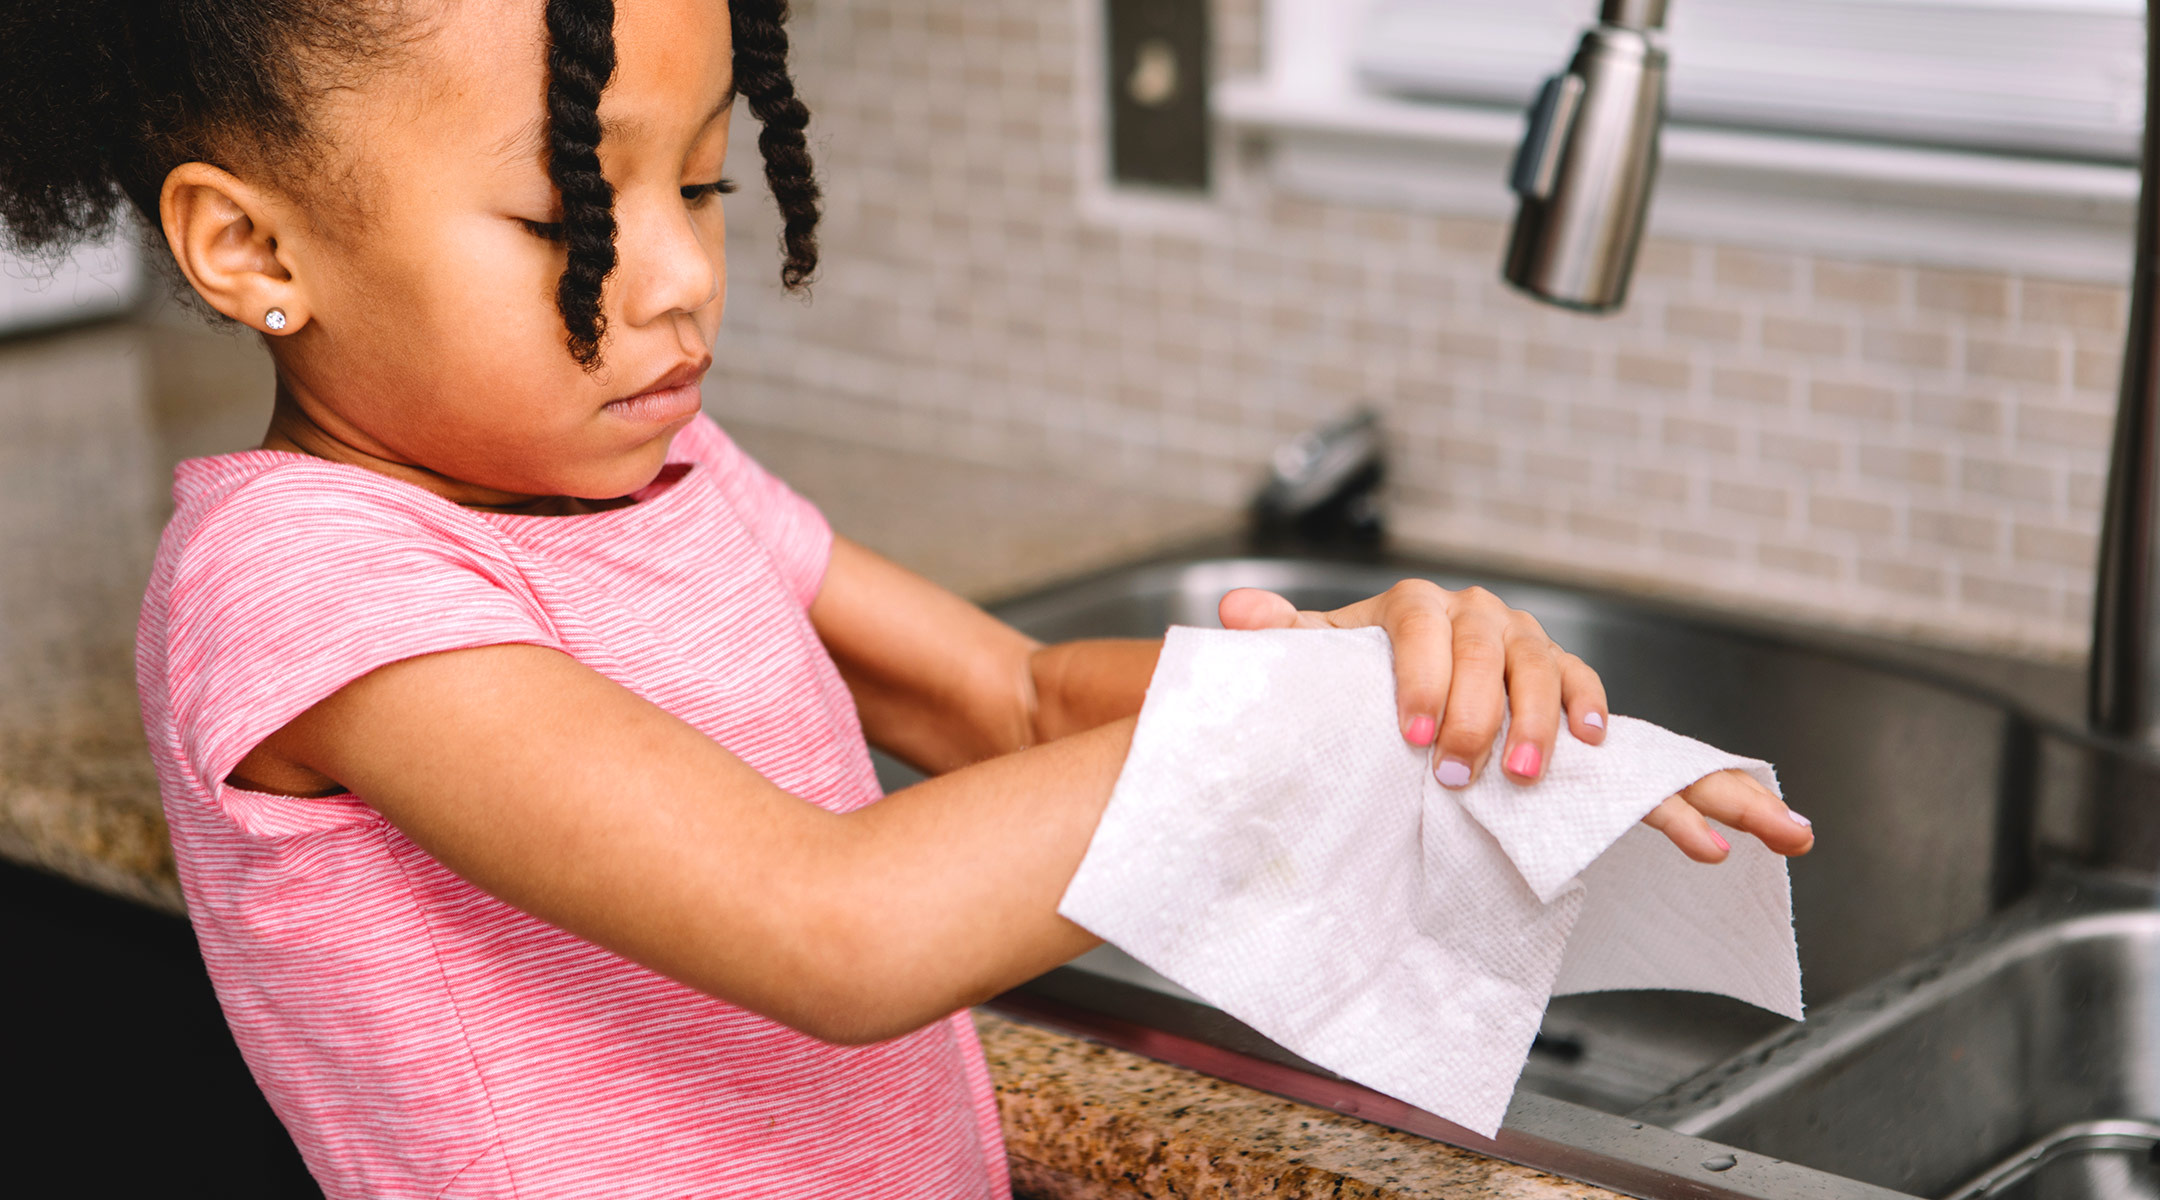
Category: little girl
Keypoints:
(510, 721)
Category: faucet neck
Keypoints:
(2125, 668)
(1633, 14)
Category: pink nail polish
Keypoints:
(1422, 731)
(1594, 720)
(1799, 820)
(1722, 844)
(1523, 761)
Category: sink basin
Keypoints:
(1923, 791)
(1904, 776)
(2029, 1050)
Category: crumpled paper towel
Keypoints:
(1276, 847)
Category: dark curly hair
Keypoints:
(106, 97)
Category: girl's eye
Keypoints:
(696, 193)
(701, 191)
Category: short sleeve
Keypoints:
(790, 528)
(304, 580)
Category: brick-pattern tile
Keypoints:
(1751, 499)
(1876, 443)
(1869, 284)
(1652, 371)
(1803, 335)
(1898, 575)
(1704, 323)
(1964, 293)
(1755, 271)
(2047, 303)
(1788, 559)
(1849, 515)
(2097, 369)
(1956, 530)
(1956, 413)
(2016, 362)
(1748, 386)
(1844, 398)
(1894, 347)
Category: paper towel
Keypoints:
(1276, 847)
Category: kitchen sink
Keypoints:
(1982, 1024)
(2031, 1045)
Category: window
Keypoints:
(1992, 134)
(2048, 77)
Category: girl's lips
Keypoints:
(659, 406)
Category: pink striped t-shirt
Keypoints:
(418, 1036)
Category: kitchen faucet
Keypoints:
(1582, 177)
(2125, 671)
(1588, 155)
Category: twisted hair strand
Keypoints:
(761, 78)
(581, 60)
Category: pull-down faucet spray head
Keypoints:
(1584, 169)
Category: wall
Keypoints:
(1876, 445)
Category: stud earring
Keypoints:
(275, 319)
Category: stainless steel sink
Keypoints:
(1923, 790)
(2027, 1053)
(1904, 776)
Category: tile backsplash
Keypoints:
(1875, 445)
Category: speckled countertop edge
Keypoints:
(1090, 1122)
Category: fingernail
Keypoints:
(1722, 844)
(1799, 820)
(1594, 720)
(1422, 731)
(1452, 773)
(1523, 760)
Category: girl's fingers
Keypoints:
(1533, 691)
(1464, 662)
(1417, 622)
(1684, 827)
(1477, 690)
(1734, 798)
(1255, 608)
(1583, 695)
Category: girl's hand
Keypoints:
(1463, 660)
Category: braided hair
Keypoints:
(108, 96)
(581, 58)
(761, 77)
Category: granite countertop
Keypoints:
(1089, 1122)
(95, 418)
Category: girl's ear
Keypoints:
(224, 234)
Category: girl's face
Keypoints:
(431, 337)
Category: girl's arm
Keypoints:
(574, 799)
(941, 683)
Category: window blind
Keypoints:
(2057, 78)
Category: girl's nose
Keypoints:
(664, 263)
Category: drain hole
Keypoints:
(1564, 1049)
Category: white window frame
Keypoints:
(1329, 136)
